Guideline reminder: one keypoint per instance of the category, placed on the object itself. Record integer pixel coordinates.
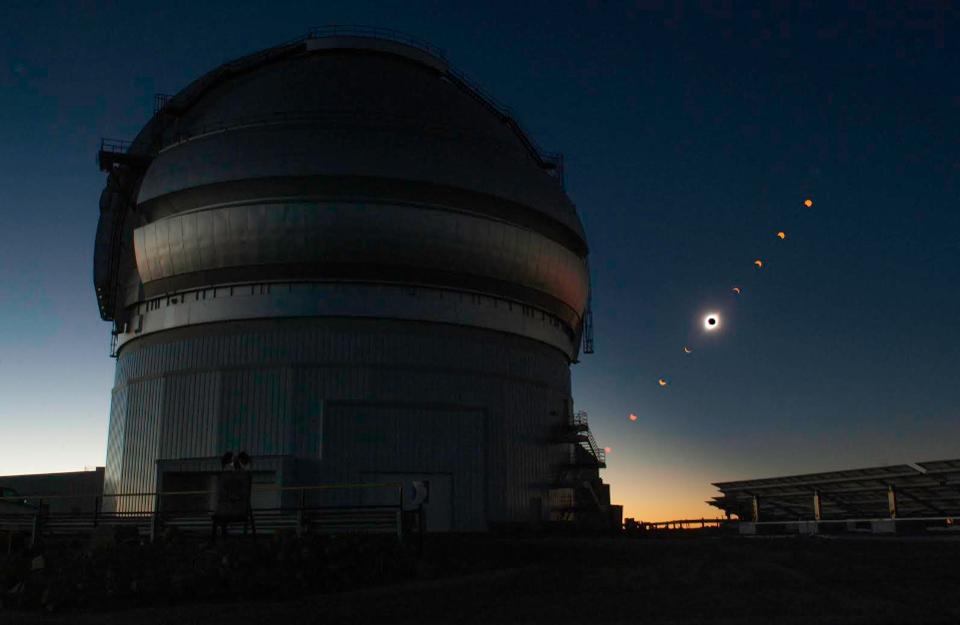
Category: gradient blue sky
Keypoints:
(691, 136)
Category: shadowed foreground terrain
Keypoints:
(682, 580)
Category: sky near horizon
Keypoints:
(691, 135)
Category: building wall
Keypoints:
(59, 491)
(348, 399)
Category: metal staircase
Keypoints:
(579, 496)
(580, 425)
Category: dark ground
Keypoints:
(669, 580)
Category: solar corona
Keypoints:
(711, 322)
(341, 257)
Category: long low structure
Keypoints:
(882, 496)
(56, 491)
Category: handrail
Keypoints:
(282, 117)
(389, 34)
(55, 516)
(897, 519)
(160, 100)
(256, 487)
(38, 519)
(554, 160)
(549, 160)
(114, 145)
(675, 524)
(590, 445)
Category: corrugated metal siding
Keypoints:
(308, 408)
(254, 416)
(141, 443)
(191, 410)
(280, 387)
(113, 473)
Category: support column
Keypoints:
(887, 526)
(817, 506)
(755, 509)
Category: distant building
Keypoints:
(880, 498)
(58, 492)
(341, 257)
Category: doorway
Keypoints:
(438, 505)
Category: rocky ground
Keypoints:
(706, 579)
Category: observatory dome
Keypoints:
(338, 206)
(348, 160)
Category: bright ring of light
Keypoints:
(711, 322)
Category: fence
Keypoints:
(676, 524)
(30, 514)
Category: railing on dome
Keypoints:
(590, 445)
(160, 100)
(332, 30)
(587, 338)
(550, 160)
(284, 117)
(588, 329)
(114, 146)
(118, 151)
(553, 162)
(335, 30)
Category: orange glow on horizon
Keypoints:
(663, 495)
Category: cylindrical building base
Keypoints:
(328, 400)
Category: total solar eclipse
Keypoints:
(711, 322)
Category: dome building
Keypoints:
(339, 256)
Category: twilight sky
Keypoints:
(691, 135)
